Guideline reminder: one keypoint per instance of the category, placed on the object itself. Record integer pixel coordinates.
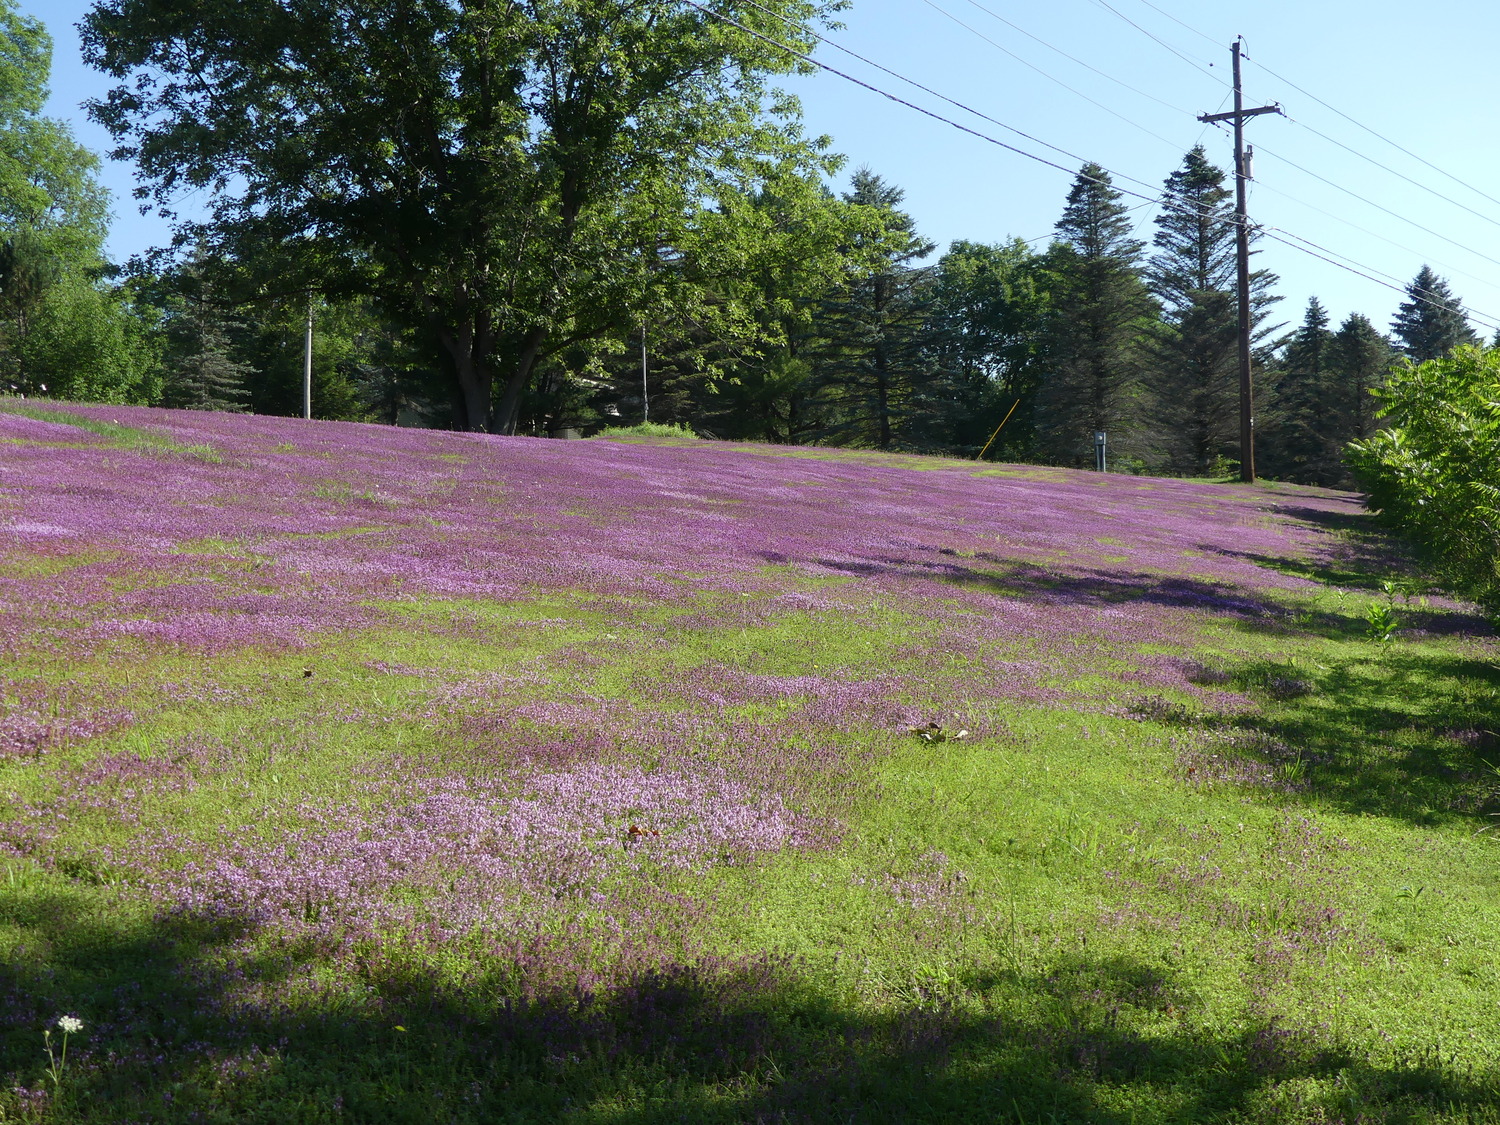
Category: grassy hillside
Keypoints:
(356, 774)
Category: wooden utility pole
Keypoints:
(1242, 256)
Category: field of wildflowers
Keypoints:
(360, 774)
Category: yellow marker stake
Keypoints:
(998, 428)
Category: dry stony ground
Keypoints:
(358, 774)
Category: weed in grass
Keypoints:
(57, 1058)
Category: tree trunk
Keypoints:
(475, 380)
(510, 401)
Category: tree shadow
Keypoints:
(185, 1022)
(1101, 588)
(1406, 734)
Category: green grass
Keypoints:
(648, 430)
(1140, 910)
(116, 435)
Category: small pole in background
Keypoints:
(645, 391)
(1101, 460)
(307, 364)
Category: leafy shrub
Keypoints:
(648, 429)
(1435, 473)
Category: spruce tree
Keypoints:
(1193, 275)
(1303, 442)
(1092, 361)
(872, 360)
(1361, 360)
(1430, 322)
(200, 369)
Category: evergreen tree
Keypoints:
(1193, 274)
(1303, 442)
(1092, 364)
(872, 357)
(201, 367)
(1361, 360)
(1431, 322)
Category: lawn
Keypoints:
(353, 774)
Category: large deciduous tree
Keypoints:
(985, 303)
(52, 224)
(515, 176)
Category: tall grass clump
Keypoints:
(648, 429)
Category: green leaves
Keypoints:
(1435, 473)
(57, 326)
(515, 179)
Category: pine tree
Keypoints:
(1303, 442)
(1193, 274)
(1361, 360)
(872, 357)
(1431, 322)
(1092, 362)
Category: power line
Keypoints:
(1399, 175)
(1452, 269)
(1378, 135)
(1179, 23)
(1379, 207)
(1162, 42)
(1296, 242)
(1053, 233)
(1313, 249)
(1073, 58)
(1353, 121)
(917, 85)
(1045, 74)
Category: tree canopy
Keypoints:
(514, 177)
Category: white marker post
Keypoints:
(307, 365)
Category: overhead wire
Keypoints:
(910, 82)
(1306, 246)
(1046, 75)
(1352, 120)
(1449, 267)
(1400, 175)
(1378, 135)
(1206, 69)
(1012, 54)
(1074, 58)
(1320, 252)
(1378, 206)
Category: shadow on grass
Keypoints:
(1393, 732)
(1102, 588)
(183, 1027)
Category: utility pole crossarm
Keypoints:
(1208, 118)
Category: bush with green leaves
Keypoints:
(1434, 473)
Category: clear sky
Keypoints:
(1420, 75)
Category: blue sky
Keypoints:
(1418, 74)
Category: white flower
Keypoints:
(69, 1024)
